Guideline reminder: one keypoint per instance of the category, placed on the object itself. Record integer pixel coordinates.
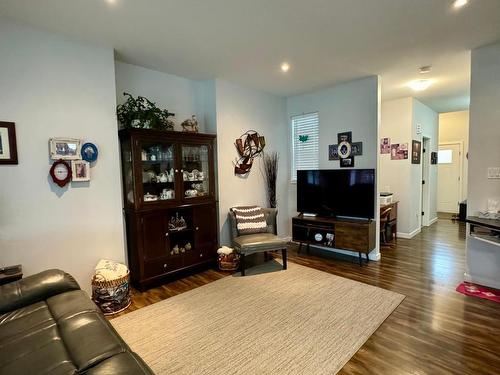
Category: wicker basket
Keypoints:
(229, 262)
(111, 295)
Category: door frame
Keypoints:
(425, 193)
(460, 166)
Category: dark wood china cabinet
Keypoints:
(169, 203)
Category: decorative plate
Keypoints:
(89, 152)
(61, 172)
(344, 149)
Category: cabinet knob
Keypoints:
(201, 255)
(176, 171)
(166, 234)
(182, 170)
(165, 265)
(197, 228)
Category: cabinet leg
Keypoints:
(283, 255)
(242, 264)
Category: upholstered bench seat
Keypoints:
(256, 243)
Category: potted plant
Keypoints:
(140, 112)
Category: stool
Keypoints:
(110, 287)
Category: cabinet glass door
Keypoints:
(195, 171)
(157, 171)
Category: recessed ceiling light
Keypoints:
(285, 67)
(460, 3)
(420, 84)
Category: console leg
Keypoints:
(367, 258)
(360, 259)
(308, 249)
(300, 247)
(242, 264)
(283, 254)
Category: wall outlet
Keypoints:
(494, 172)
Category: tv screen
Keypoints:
(337, 192)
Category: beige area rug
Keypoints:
(298, 321)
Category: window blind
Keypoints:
(305, 143)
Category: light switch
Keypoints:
(494, 172)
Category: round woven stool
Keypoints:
(110, 287)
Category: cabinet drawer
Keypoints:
(351, 237)
(161, 266)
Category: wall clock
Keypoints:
(61, 172)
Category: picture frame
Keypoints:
(434, 158)
(89, 152)
(64, 148)
(80, 170)
(385, 145)
(347, 162)
(8, 144)
(399, 151)
(357, 148)
(333, 152)
(344, 137)
(416, 151)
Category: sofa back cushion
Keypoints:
(250, 220)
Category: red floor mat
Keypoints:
(475, 290)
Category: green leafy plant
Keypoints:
(140, 112)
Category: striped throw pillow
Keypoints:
(250, 220)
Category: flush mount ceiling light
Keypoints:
(420, 84)
(424, 69)
(459, 3)
(285, 67)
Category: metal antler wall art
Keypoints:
(249, 145)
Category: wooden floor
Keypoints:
(434, 331)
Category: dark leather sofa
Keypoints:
(49, 326)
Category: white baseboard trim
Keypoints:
(432, 221)
(409, 235)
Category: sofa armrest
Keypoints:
(35, 288)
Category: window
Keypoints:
(305, 143)
(445, 156)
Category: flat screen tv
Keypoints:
(348, 193)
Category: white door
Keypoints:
(448, 177)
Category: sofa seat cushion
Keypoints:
(255, 243)
(66, 334)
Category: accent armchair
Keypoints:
(259, 242)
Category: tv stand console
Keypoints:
(342, 234)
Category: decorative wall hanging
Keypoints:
(345, 150)
(434, 157)
(141, 112)
(61, 172)
(399, 151)
(347, 162)
(89, 152)
(64, 148)
(416, 150)
(303, 138)
(385, 145)
(8, 145)
(249, 145)
(190, 125)
(333, 152)
(81, 170)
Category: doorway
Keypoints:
(449, 177)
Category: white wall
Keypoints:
(352, 106)
(454, 127)
(240, 109)
(53, 87)
(395, 175)
(483, 261)
(180, 95)
(399, 123)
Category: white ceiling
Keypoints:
(245, 41)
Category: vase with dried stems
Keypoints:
(270, 172)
